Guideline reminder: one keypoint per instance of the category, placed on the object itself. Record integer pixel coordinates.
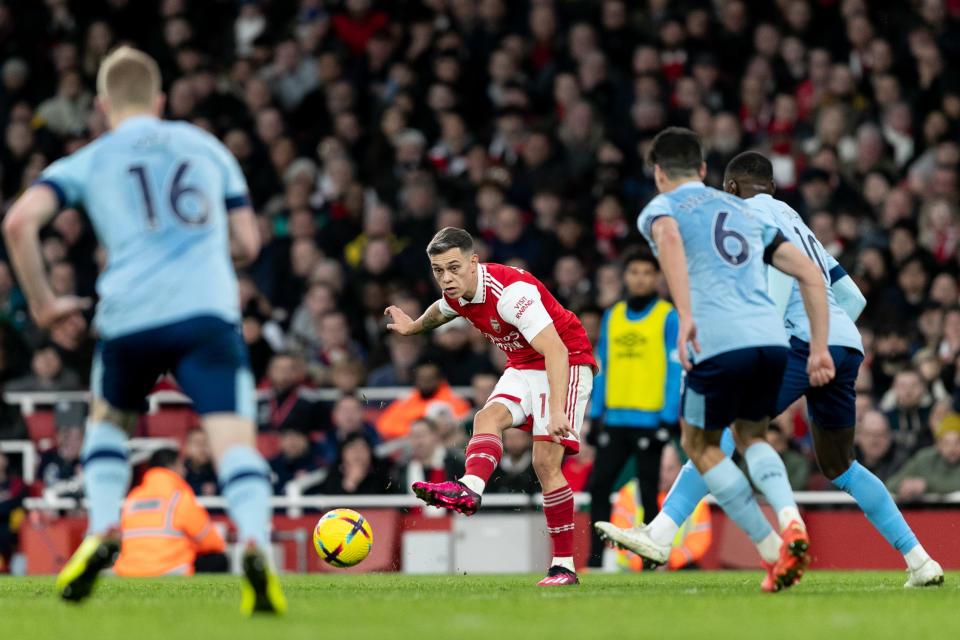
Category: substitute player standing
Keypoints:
(832, 407)
(712, 249)
(545, 386)
(636, 396)
(170, 205)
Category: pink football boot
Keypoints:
(558, 576)
(449, 495)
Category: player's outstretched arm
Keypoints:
(400, 322)
(556, 361)
(788, 259)
(673, 263)
(21, 230)
(244, 236)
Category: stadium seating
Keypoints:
(42, 429)
(171, 422)
(269, 444)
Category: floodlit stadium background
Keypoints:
(362, 127)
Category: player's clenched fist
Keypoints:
(820, 367)
(400, 321)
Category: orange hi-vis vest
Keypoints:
(690, 545)
(164, 528)
(395, 420)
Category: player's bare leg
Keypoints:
(245, 484)
(770, 477)
(835, 455)
(228, 430)
(106, 478)
(483, 454)
(558, 510)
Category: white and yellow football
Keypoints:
(342, 537)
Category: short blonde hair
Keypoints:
(128, 77)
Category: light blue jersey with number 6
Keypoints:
(724, 241)
(158, 194)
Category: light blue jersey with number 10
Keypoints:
(157, 193)
(843, 331)
(724, 241)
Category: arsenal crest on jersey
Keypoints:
(495, 324)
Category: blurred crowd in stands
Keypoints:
(365, 126)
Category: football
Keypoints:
(342, 537)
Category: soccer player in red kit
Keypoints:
(545, 386)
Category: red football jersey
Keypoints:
(511, 307)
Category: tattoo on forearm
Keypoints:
(431, 321)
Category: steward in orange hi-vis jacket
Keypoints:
(164, 528)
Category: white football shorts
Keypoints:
(526, 394)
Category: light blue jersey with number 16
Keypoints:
(724, 241)
(843, 331)
(157, 193)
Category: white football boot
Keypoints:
(929, 574)
(635, 539)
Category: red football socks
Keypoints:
(483, 455)
(558, 508)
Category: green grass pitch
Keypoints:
(650, 605)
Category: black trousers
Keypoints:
(211, 563)
(615, 445)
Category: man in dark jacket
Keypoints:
(198, 464)
(429, 461)
(908, 418)
(295, 458)
(933, 469)
(875, 447)
(347, 418)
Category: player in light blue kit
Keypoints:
(712, 251)
(831, 407)
(169, 204)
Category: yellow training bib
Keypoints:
(636, 358)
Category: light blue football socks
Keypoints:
(877, 505)
(688, 489)
(766, 470)
(106, 474)
(770, 478)
(735, 495)
(687, 492)
(738, 502)
(870, 493)
(245, 484)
